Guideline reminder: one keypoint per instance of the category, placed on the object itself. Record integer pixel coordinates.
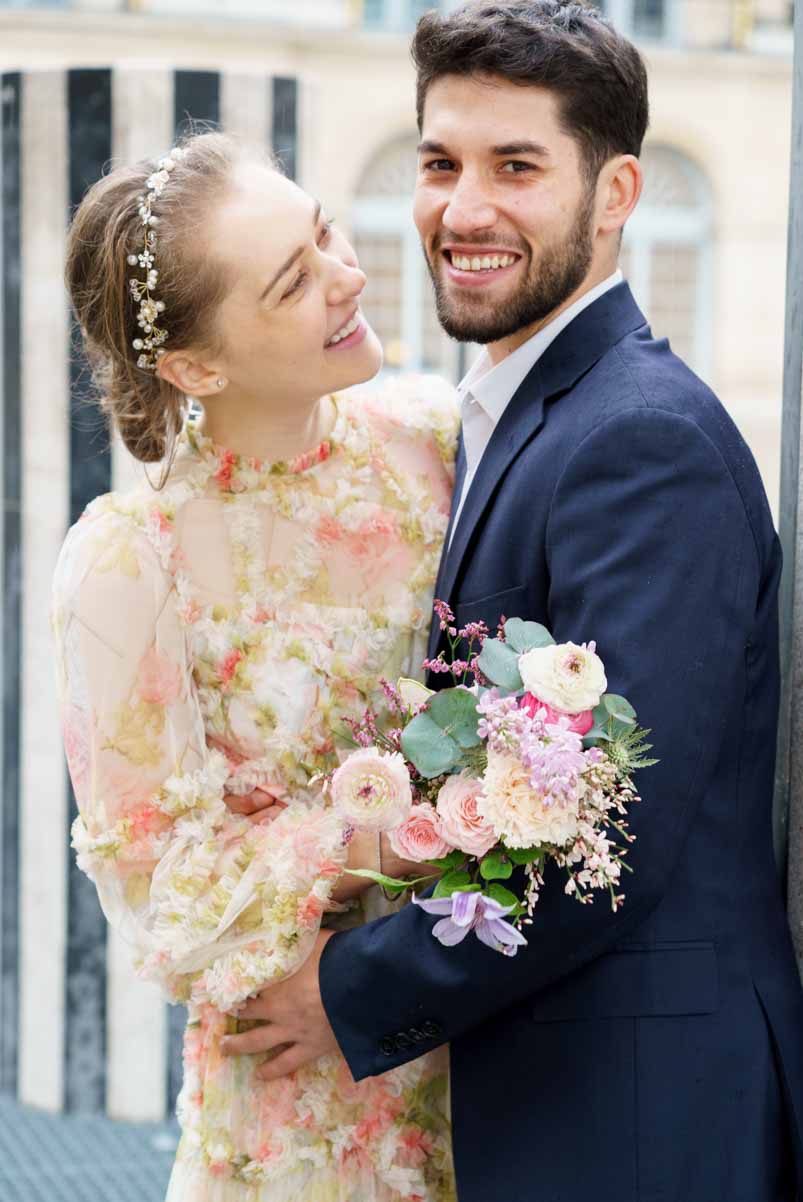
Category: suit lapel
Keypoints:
(574, 352)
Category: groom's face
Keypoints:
(503, 206)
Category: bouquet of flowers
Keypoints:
(487, 782)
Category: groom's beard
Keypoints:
(471, 317)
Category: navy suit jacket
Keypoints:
(656, 1054)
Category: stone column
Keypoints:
(789, 773)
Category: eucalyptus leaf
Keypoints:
(455, 711)
(428, 747)
(619, 708)
(526, 636)
(496, 867)
(596, 735)
(500, 664)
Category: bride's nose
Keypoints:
(346, 283)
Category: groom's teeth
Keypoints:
(486, 263)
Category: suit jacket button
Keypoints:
(432, 1029)
(388, 1046)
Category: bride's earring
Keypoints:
(220, 382)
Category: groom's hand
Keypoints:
(295, 1021)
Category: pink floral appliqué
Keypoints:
(158, 679)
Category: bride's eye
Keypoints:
(296, 285)
(326, 231)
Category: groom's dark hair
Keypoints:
(597, 75)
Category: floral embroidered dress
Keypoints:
(212, 637)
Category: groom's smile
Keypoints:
(503, 207)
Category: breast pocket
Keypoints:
(509, 603)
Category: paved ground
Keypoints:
(44, 1158)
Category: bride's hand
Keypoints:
(258, 806)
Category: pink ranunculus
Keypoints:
(460, 821)
(159, 678)
(421, 836)
(371, 790)
(579, 723)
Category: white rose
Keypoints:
(565, 676)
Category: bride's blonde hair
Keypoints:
(105, 233)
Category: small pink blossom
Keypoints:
(460, 820)
(421, 837)
(580, 723)
(229, 666)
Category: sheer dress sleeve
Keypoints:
(214, 906)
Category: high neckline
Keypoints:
(235, 472)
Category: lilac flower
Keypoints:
(466, 912)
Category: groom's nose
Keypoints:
(469, 208)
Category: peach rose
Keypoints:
(460, 820)
(420, 837)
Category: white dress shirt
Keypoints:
(487, 390)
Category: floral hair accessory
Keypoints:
(143, 291)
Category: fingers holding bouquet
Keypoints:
(530, 763)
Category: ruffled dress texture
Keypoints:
(211, 638)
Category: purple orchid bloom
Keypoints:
(464, 912)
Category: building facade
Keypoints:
(328, 84)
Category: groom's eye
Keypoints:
(515, 167)
(439, 165)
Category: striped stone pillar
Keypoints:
(78, 1032)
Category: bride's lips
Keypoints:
(354, 338)
(467, 278)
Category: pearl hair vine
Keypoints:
(151, 346)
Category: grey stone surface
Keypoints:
(76, 1158)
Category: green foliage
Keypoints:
(455, 882)
(526, 636)
(426, 745)
(628, 751)
(500, 664)
(453, 860)
(387, 882)
(499, 893)
(436, 739)
(496, 866)
(523, 855)
(455, 711)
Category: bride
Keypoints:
(217, 626)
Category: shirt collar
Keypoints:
(493, 387)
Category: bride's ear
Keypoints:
(188, 374)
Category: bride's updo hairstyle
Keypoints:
(106, 238)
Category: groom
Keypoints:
(655, 1054)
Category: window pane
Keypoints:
(381, 260)
(649, 18)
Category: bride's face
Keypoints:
(291, 325)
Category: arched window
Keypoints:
(398, 297)
(667, 254)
